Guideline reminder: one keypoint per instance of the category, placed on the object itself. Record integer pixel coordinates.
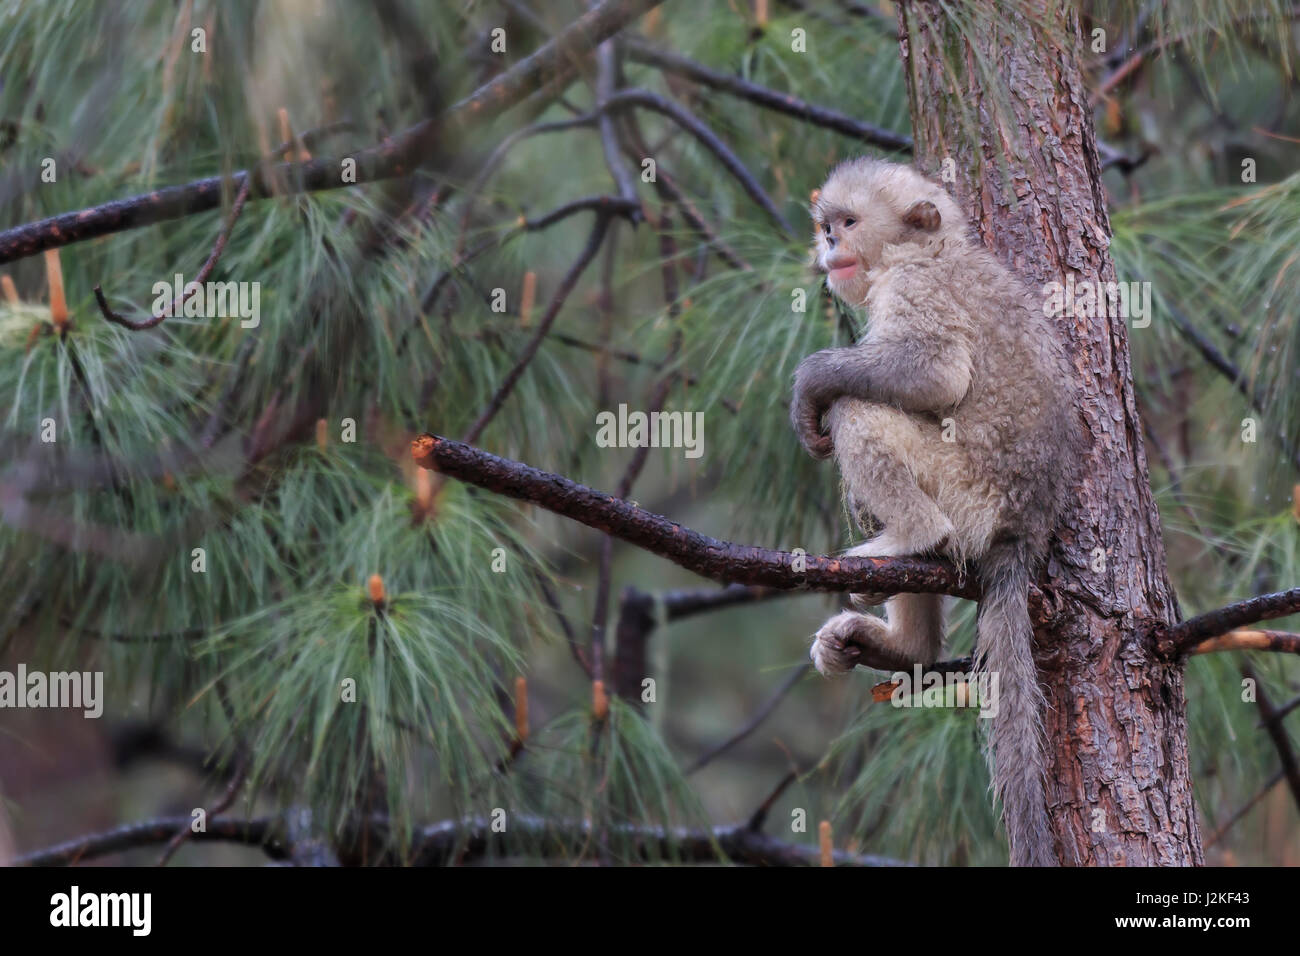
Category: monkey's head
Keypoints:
(866, 205)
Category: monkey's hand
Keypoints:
(814, 392)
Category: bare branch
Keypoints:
(575, 648)
(193, 286)
(462, 840)
(605, 205)
(1277, 733)
(708, 557)
(1289, 706)
(638, 615)
(1229, 370)
(221, 806)
(1244, 809)
(1181, 638)
(257, 832)
(759, 816)
(751, 725)
(669, 191)
(498, 155)
(606, 80)
(687, 603)
(1139, 57)
(557, 57)
(710, 140)
(557, 301)
(1250, 640)
(643, 52)
(459, 841)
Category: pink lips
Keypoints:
(840, 273)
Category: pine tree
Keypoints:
(492, 226)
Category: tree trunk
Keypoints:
(1025, 161)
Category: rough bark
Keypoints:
(1027, 172)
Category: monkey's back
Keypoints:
(1014, 438)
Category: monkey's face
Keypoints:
(865, 205)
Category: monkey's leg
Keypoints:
(910, 633)
(881, 451)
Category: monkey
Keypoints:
(954, 423)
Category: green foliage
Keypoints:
(187, 437)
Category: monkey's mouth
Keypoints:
(841, 269)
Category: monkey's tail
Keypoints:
(1006, 649)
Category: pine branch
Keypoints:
(668, 62)
(191, 287)
(710, 140)
(638, 616)
(670, 192)
(258, 832)
(633, 630)
(394, 157)
(755, 720)
(1179, 639)
(461, 840)
(1225, 366)
(607, 72)
(570, 279)
(1282, 642)
(1277, 733)
(759, 816)
(1244, 809)
(719, 560)
(458, 841)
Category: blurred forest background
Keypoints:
(377, 315)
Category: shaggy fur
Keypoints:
(953, 423)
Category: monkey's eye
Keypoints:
(849, 222)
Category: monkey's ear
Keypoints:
(922, 214)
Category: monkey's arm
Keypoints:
(909, 369)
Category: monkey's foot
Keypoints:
(831, 653)
(887, 544)
(849, 639)
(866, 600)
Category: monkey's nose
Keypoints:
(830, 240)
